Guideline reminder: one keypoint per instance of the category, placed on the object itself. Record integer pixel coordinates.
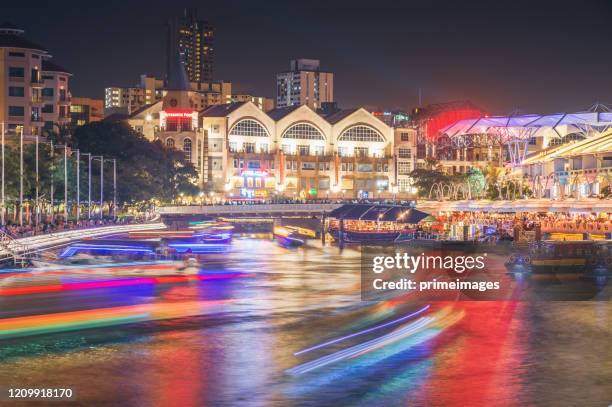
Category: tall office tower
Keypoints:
(193, 39)
(304, 84)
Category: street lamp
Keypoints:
(88, 184)
(21, 177)
(101, 158)
(65, 147)
(78, 184)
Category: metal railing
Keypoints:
(11, 248)
(255, 208)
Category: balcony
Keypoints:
(36, 83)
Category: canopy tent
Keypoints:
(594, 145)
(375, 212)
(531, 125)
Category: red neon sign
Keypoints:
(179, 114)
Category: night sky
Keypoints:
(535, 56)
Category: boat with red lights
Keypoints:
(374, 223)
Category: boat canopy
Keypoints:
(376, 212)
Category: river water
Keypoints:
(232, 341)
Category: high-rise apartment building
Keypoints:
(151, 90)
(34, 92)
(304, 84)
(86, 110)
(193, 40)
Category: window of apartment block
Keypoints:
(303, 150)
(187, 148)
(263, 148)
(405, 136)
(16, 91)
(403, 184)
(403, 167)
(342, 151)
(233, 146)
(319, 150)
(248, 147)
(364, 167)
(405, 153)
(16, 72)
(215, 145)
(217, 164)
(16, 111)
(48, 92)
(361, 151)
(308, 166)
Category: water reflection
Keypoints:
(237, 341)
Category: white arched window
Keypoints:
(248, 127)
(170, 142)
(187, 148)
(361, 133)
(303, 131)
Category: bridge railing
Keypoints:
(237, 209)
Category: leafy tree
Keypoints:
(145, 170)
(424, 179)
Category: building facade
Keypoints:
(297, 153)
(86, 110)
(264, 103)
(35, 93)
(404, 148)
(150, 90)
(193, 40)
(304, 84)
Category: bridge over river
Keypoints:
(245, 211)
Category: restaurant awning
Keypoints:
(375, 212)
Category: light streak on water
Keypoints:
(103, 317)
(367, 346)
(372, 329)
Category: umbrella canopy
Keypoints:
(384, 213)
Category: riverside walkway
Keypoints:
(12, 248)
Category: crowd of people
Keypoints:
(548, 222)
(17, 231)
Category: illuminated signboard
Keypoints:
(250, 173)
(179, 114)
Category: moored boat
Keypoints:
(563, 257)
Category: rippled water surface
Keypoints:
(231, 340)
